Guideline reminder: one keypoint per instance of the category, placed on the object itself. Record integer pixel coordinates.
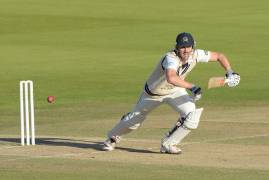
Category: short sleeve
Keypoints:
(202, 55)
(170, 63)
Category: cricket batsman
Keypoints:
(167, 84)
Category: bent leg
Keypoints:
(189, 119)
(133, 120)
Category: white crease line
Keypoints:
(135, 140)
(212, 140)
(243, 122)
(200, 142)
(21, 157)
(226, 139)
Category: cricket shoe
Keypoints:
(110, 144)
(170, 149)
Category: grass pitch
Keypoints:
(94, 56)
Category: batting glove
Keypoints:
(196, 92)
(233, 78)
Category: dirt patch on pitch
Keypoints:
(141, 151)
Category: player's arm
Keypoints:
(233, 77)
(222, 59)
(170, 66)
(173, 78)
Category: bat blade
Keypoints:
(215, 82)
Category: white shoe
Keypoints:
(109, 144)
(170, 149)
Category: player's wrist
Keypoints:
(195, 89)
(229, 72)
(192, 86)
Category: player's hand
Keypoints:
(233, 78)
(196, 93)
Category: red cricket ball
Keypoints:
(50, 99)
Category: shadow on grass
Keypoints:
(137, 150)
(77, 143)
(60, 142)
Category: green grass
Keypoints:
(47, 168)
(95, 56)
(78, 52)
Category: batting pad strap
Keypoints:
(193, 119)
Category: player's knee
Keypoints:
(191, 121)
(134, 127)
(191, 107)
(132, 120)
(187, 108)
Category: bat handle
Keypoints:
(226, 80)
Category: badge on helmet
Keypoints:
(184, 40)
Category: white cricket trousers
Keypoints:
(180, 101)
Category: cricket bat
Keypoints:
(215, 82)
